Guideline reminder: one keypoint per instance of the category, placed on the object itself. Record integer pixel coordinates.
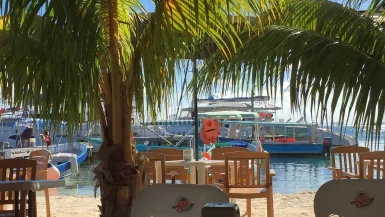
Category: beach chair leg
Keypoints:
(47, 204)
(270, 205)
(248, 207)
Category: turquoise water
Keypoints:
(293, 174)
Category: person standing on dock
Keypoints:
(25, 135)
(47, 138)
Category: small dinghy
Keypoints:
(67, 159)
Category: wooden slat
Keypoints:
(345, 163)
(350, 162)
(253, 169)
(378, 169)
(355, 165)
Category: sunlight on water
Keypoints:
(293, 174)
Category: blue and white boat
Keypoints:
(67, 157)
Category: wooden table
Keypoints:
(28, 186)
(199, 166)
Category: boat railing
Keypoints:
(184, 137)
(156, 133)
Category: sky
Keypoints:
(285, 113)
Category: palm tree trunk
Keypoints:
(119, 174)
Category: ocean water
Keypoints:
(293, 174)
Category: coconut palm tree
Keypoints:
(330, 53)
(90, 59)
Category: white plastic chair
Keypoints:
(351, 198)
(182, 200)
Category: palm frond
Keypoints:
(330, 52)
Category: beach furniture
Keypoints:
(372, 165)
(351, 198)
(185, 200)
(151, 172)
(42, 158)
(16, 170)
(173, 172)
(21, 188)
(346, 156)
(218, 172)
(253, 178)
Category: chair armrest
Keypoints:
(272, 172)
(332, 168)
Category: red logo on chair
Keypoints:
(362, 200)
(183, 204)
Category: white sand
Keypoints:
(285, 205)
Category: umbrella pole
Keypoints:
(196, 139)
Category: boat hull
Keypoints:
(81, 153)
(280, 148)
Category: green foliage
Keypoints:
(328, 51)
(55, 54)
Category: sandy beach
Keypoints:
(293, 205)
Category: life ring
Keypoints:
(207, 156)
(210, 131)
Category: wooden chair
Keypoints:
(173, 173)
(42, 157)
(347, 157)
(253, 178)
(151, 169)
(217, 172)
(371, 162)
(16, 169)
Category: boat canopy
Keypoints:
(224, 115)
(269, 123)
(170, 122)
(229, 115)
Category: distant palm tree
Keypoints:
(330, 52)
(78, 59)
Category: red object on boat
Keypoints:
(265, 115)
(283, 140)
(210, 131)
(291, 139)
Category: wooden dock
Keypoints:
(17, 152)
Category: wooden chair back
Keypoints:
(15, 169)
(346, 156)
(251, 170)
(219, 154)
(372, 165)
(151, 169)
(169, 155)
(42, 157)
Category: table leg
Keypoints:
(16, 205)
(22, 210)
(31, 203)
(201, 174)
(193, 174)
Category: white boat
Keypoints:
(261, 105)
